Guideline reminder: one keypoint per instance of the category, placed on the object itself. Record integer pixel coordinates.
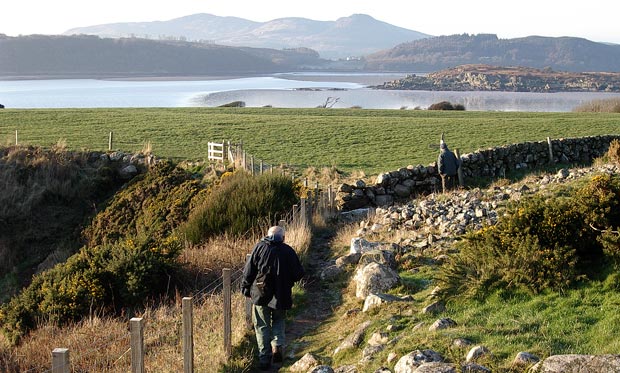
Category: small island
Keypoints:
(480, 77)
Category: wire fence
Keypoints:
(132, 342)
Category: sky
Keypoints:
(595, 20)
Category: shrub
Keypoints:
(600, 106)
(445, 105)
(104, 277)
(154, 204)
(240, 204)
(234, 104)
(614, 152)
(540, 243)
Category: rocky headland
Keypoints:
(513, 79)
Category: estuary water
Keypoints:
(291, 90)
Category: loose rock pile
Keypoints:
(432, 221)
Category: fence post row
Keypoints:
(188, 335)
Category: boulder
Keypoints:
(348, 259)
(436, 368)
(524, 359)
(384, 200)
(375, 300)
(578, 364)
(354, 339)
(444, 323)
(359, 245)
(476, 352)
(436, 307)
(321, 369)
(411, 361)
(128, 172)
(307, 362)
(379, 256)
(374, 278)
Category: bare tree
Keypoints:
(330, 102)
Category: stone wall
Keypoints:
(410, 181)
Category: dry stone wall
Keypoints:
(410, 181)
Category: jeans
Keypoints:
(269, 328)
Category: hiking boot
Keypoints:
(277, 354)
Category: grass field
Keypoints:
(350, 139)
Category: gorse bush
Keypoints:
(540, 243)
(103, 277)
(240, 204)
(152, 206)
(446, 105)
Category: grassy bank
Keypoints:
(350, 139)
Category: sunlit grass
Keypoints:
(370, 140)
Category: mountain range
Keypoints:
(203, 44)
(356, 35)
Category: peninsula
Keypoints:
(480, 77)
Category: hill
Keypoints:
(562, 54)
(516, 79)
(91, 56)
(356, 35)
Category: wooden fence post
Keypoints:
(294, 214)
(245, 164)
(550, 150)
(188, 335)
(303, 212)
(227, 313)
(252, 164)
(261, 167)
(16, 142)
(459, 170)
(309, 207)
(110, 139)
(330, 199)
(137, 345)
(60, 361)
(248, 303)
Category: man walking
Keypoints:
(448, 166)
(268, 278)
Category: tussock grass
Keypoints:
(102, 344)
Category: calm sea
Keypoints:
(293, 90)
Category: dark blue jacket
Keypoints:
(447, 162)
(283, 263)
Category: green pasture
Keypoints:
(350, 139)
